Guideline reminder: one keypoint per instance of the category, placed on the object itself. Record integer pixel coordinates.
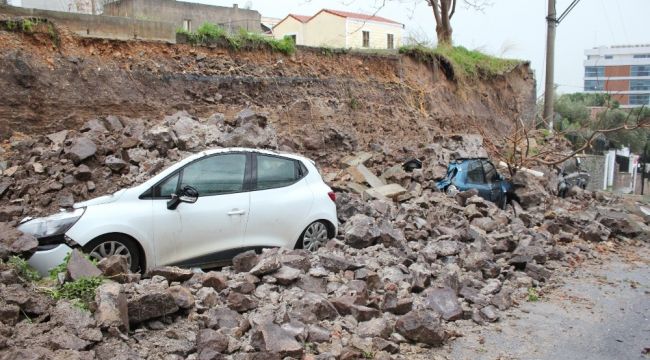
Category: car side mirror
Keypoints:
(187, 194)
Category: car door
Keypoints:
(281, 201)
(493, 180)
(211, 230)
(476, 178)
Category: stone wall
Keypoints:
(177, 12)
(109, 27)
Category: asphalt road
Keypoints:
(600, 312)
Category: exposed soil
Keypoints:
(401, 101)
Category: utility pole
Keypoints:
(549, 90)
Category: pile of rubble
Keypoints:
(395, 282)
(42, 174)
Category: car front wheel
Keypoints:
(114, 244)
(314, 236)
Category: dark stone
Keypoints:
(444, 302)
(210, 343)
(271, 338)
(312, 308)
(421, 326)
(337, 263)
(214, 280)
(79, 149)
(112, 308)
(182, 296)
(80, 267)
(240, 302)
(245, 261)
(151, 305)
(114, 267)
(266, 265)
(171, 273)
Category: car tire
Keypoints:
(115, 244)
(451, 190)
(313, 237)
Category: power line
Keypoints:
(567, 11)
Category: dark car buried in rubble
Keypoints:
(480, 174)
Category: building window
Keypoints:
(366, 39)
(640, 99)
(641, 56)
(390, 39)
(187, 25)
(640, 84)
(594, 71)
(640, 70)
(607, 57)
(294, 38)
(594, 85)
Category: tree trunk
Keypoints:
(444, 34)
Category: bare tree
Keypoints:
(517, 151)
(444, 10)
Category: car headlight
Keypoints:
(50, 230)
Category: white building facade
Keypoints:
(622, 71)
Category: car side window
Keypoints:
(168, 187)
(490, 172)
(275, 172)
(475, 172)
(215, 175)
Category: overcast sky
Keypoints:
(510, 28)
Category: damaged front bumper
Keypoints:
(44, 260)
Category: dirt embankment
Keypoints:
(392, 100)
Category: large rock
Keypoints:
(112, 309)
(214, 280)
(80, 267)
(116, 164)
(182, 296)
(313, 308)
(114, 267)
(421, 326)
(361, 231)
(14, 242)
(240, 302)
(171, 273)
(271, 338)
(445, 302)
(151, 305)
(210, 343)
(619, 223)
(287, 275)
(266, 265)
(245, 261)
(337, 263)
(226, 320)
(80, 149)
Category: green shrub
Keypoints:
(24, 270)
(209, 31)
(81, 292)
(28, 25)
(466, 64)
(532, 295)
(242, 40)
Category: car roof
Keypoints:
(242, 149)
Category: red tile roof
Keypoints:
(301, 18)
(347, 14)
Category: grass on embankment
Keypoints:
(208, 32)
(466, 64)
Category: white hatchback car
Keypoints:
(199, 212)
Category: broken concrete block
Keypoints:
(386, 191)
(358, 159)
(356, 187)
(360, 173)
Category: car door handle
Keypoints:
(237, 212)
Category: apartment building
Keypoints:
(622, 71)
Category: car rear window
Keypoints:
(275, 172)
